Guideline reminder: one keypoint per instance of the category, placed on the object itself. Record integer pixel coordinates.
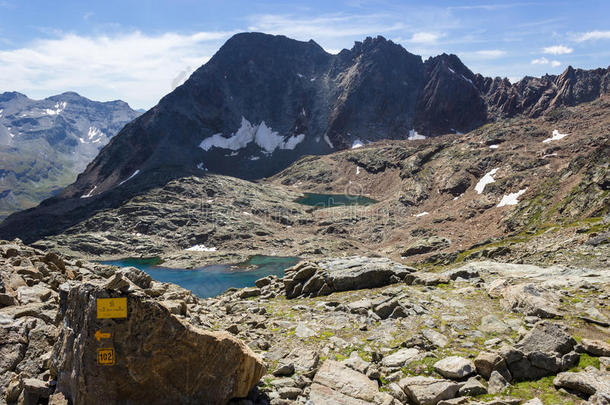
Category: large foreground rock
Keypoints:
(335, 383)
(344, 274)
(159, 359)
(530, 299)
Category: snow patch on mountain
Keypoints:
(261, 135)
(413, 135)
(130, 177)
(485, 180)
(556, 136)
(58, 108)
(357, 144)
(512, 198)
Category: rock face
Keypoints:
(157, 356)
(49, 336)
(589, 382)
(345, 274)
(531, 300)
(44, 144)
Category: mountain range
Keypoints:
(44, 144)
(264, 101)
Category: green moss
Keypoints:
(543, 389)
(586, 361)
(424, 366)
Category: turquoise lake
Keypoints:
(334, 200)
(212, 280)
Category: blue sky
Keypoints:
(138, 51)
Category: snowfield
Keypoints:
(556, 136)
(512, 198)
(485, 180)
(261, 135)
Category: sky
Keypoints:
(138, 51)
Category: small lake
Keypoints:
(212, 280)
(334, 200)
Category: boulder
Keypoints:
(547, 337)
(426, 245)
(588, 382)
(487, 362)
(497, 383)
(428, 390)
(454, 367)
(342, 274)
(154, 352)
(596, 347)
(532, 300)
(472, 387)
(340, 378)
(401, 357)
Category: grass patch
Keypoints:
(586, 361)
(543, 389)
(424, 366)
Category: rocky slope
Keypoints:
(263, 101)
(44, 144)
(440, 201)
(372, 332)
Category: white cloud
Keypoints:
(491, 53)
(325, 26)
(545, 61)
(557, 50)
(135, 67)
(424, 38)
(592, 35)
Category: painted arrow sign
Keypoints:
(99, 335)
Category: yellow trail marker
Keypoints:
(106, 357)
(111, 308)
(99, 335)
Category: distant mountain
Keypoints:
(44, 144)
(263, 101)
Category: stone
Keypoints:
(497, 383)
(426, 245)
(454, 367)
(401, 357)
(249, 292)
(137, 276)
(343, 274)
(322, 395)
(547, 337)
(346, 381)
(58, 399)
(436, 338)
(289, 392)
(175, 307)
(426, 278)
(36, 293)
(492, 324)
(472, 387)
(462, 272)
(486, 362)
(263, 282)
(34, 390)
(355, 362)
(531, 300)
(154, 352)
(305, 361)
(596, 347)
(303, 331)
(587, 382)
(534, 401)
(428, 390)
(284, 370)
